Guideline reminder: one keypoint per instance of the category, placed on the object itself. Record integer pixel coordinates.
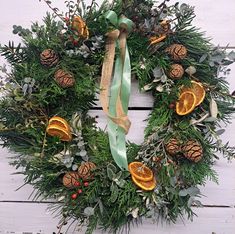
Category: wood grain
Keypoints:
(33, 218)
(216, 18)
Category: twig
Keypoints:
(53, 9)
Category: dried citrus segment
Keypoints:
(186, 103)
(145, 185)
(79, 25)
(198, 90)
(155, 40)
(62, 133)
(56, 120)
(140, 171)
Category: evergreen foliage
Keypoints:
(31, 97)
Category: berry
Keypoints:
(74, 196)
(77, 184)
(79, 191)
(172, 106)
(86, 184)
(75, 42)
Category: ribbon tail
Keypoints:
(116, 133)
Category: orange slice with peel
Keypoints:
(145, 185)
(198, 90)
(56, 120)
(58, 131)
(186, 103)
(80, 27)
(155, 39)
(140, 171)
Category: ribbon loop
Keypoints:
(115, 93)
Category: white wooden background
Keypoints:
(20, 215)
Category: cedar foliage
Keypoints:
(31, 98)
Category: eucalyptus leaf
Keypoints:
(183, 193)
(212, 64)
(210, 119)
(111, 174)
(25, 88)
(163, 78)
(190, 70)
(121, 183)
(157, 72)
(160, 88)
(231, 55)
(184, 8)
(118, 176)
(203, 58)
(114, 194)
(193, 191)
(112, 167)
(213, 108)
(220, 132)
(27, 79)
(101, 206)
(147, 87)
(83, 153)
(135, 212)
(30, 89)
(89, 211)
(19, 99)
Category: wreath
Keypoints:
(96, 177)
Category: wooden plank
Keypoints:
(36, 219)
(220, 28)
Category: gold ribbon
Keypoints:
(121, 119)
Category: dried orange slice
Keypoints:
(140, 171)
(186, 103)
(155, 40)
(145, 185)
(79, 25)
(56, 120)
(62, 133)
(198, 90)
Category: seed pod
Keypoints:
(192, 150)
(177, 52)
(64, 79)
(49, 58)
(176, 71)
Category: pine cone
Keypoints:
(85, 169)
(177, 51)
(64, 79)
(176, 71)
(70, 179)
(173, 146)
(49, 58)
(192, 150)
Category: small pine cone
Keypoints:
(173, 146)
(85, 170)
(70, 179)
(177, 51)
(64, 79)
(192, 150)
(49, 58)
(176, 71)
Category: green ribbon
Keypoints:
(121, 84)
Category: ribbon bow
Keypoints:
(115, 86)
